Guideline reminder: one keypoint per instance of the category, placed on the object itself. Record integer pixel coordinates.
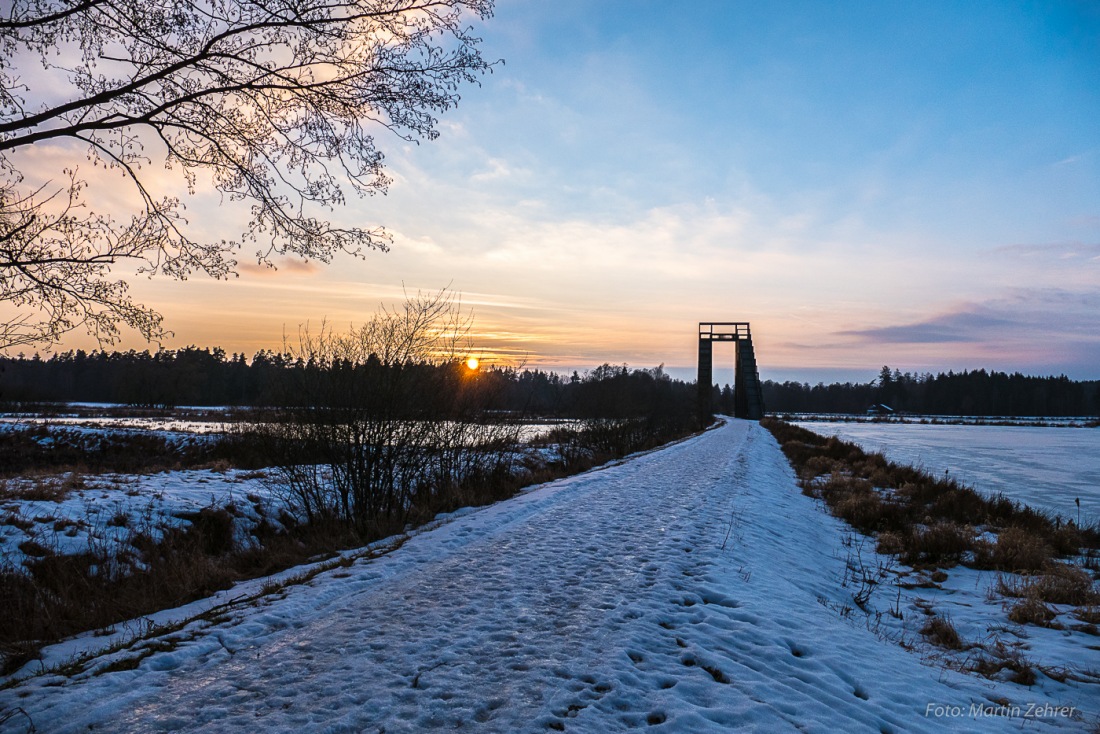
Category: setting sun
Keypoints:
(472, 363)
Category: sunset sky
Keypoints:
(905, 183)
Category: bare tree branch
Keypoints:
(274, 100)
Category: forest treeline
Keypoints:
(207, 377)
(976, 393)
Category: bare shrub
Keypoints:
(385, 422)
(864, 575)
(35, 549)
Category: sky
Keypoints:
(904, 183)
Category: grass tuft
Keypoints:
(941, 632)
(1032, 611)
(1058, 583)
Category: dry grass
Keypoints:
(942, 633)
(1089, 614)
(930, 522)
(18, 521)
(55, 449)
(42, 487)
(941, 544)
(1016, 550)
(890, 543)
(1032, 611)
(1058, 583)
(996, 659)
(926, 519)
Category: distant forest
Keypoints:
(209, 377)
(205, 377)
(976, 393)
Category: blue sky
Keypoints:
(914, 184)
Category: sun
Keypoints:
(472, 363)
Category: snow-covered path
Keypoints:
(685, 590)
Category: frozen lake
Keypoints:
(1046, 468)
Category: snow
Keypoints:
(690, 589)
(211, 425)
(959, 420)
(105, 423)
(1044, 467)
(104, 512)
(90, 435)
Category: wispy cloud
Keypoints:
(499, 168)
(1071, 160)
(1053, 251)
(961, 326)
(280, 266)
(1047, 319)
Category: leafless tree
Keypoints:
(386, 421)
(273, 103)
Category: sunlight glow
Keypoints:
(472, 363)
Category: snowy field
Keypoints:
(691, 589)
(105, 511)
(182, 430)
(102, 512)
(960, 420)
(1046, 468)
(103, 423)
(113, 417)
